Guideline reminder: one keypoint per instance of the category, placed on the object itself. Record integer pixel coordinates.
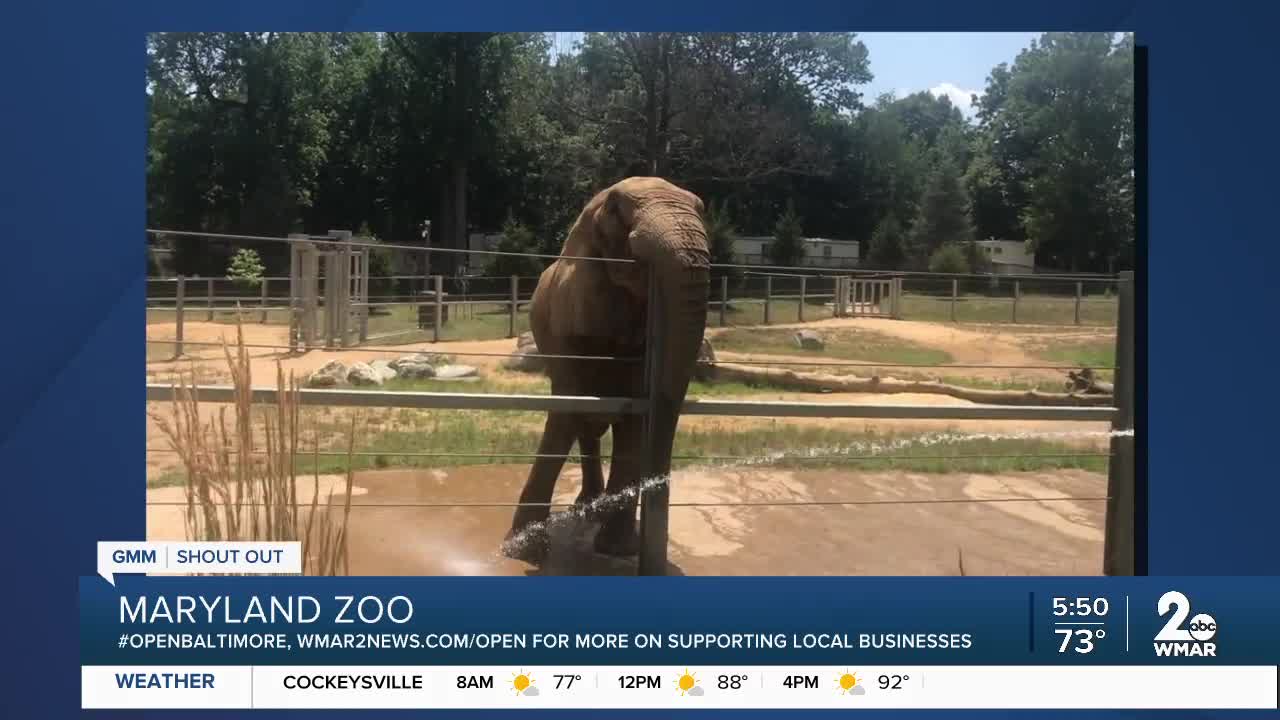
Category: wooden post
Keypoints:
(895, 301)
(208, 297)
(768, 296)
(362, 264)
(1079, 292)
(955, 290)
(263, 319)
(724, 297)
(800, 312)
(179, 293)
(330, 333)
(1017, 295)
(515, 298)
(1118, 547)
(439, 300)
(655, 502)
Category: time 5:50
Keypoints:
(1081, 606)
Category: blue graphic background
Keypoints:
(1011, 620)
(71, 211)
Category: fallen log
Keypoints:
(824, 382)
(1086, 382)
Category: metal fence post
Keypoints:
(768, 296)
(515, 298)
(955, 290)
(439, 299)
(1079, 292)
(264, 282)
(179, 294)
(724, 298)
(1118, 548)
(208, 297)
(800, 312)
(1017, 295)
(655, 501)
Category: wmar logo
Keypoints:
(1174, 640)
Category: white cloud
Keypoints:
(960, 97)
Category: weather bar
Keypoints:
(671, 687)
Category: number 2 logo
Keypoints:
(1203, 627)
(1181, 606)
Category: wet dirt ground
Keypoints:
(911, 524)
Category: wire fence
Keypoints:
(761, 296)
(399, 306)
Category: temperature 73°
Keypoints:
(1082, 640)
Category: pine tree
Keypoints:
(787, 247)
(944, 213)
(516, 238)
(722, 237)
(888, 249)
(246, 268)
(949, 258)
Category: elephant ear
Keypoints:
(584, 300)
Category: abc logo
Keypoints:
(1203, 627)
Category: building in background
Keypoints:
(1008, 257)
(818, 252)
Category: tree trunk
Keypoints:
(820, 382)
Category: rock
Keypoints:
(706, 358)
(454, 372)
(421, 358)
(331, 375)
(416, 370)
(526, 355)
(384, 369)
(808, 340)
(363, 374)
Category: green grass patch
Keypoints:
(1079, 353)
(1032, 309)
(844, 344)
(482, 438)
(473, 322)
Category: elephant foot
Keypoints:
(617, 544)
(531, 545)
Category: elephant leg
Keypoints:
(617, 535)
(557, 439)
(592, 473)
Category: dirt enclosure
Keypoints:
(905, 523)
(1000, 538)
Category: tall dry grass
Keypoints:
(241, 472)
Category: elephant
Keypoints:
(585, 307)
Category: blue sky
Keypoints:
(955, 64)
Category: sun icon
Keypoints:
(522, 682)
(687, 682)
(847, 682)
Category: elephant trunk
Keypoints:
(680, 265)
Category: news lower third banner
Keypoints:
(570, 642)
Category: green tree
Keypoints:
(1060, 122)
(516, 238)
(787, 248)
(888, 249)
(245, 269)
(977, 260)
(943, 215)
(951, 258)
(722, 237)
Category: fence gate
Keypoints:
(867, 297)
(345, 288)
